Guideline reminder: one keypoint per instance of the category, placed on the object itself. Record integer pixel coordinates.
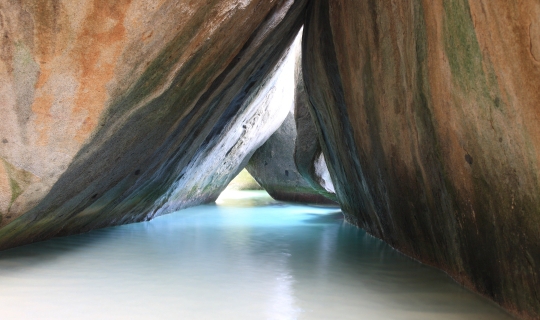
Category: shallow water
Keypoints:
(248, 257)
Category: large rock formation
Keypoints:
(105, 104)
(428, 113)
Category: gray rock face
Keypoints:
(272, 165)
(109, 109)
(222, 158)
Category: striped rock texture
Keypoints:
(429, 116)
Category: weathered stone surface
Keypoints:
(105, 104)
(429, 116)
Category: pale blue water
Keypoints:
(247, 258)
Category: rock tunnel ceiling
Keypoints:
(426, 114)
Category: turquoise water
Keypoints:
(247, 257)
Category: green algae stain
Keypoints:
(16, 189)
(461, 44)
(23, 56)
(26, 74)
(19, 179)
(472, 72)
(157, 72)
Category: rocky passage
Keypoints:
(308, 156)
(421, 116)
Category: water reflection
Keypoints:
(248, 257)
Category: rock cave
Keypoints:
(418, 120)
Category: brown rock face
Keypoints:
(105, 103)
(429, 118)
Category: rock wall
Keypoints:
(428, 114)
(104, 104)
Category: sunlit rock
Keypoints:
(243, 181)
(429, 118)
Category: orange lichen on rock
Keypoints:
(41, 109)
(96, 51)
(96, 82)
(5, 191)
(514, 52)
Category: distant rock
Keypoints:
(274, 164)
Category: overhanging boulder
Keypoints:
(105, 104)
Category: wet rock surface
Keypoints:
(221, 158)
(429, 125)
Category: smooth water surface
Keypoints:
(248, 257)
